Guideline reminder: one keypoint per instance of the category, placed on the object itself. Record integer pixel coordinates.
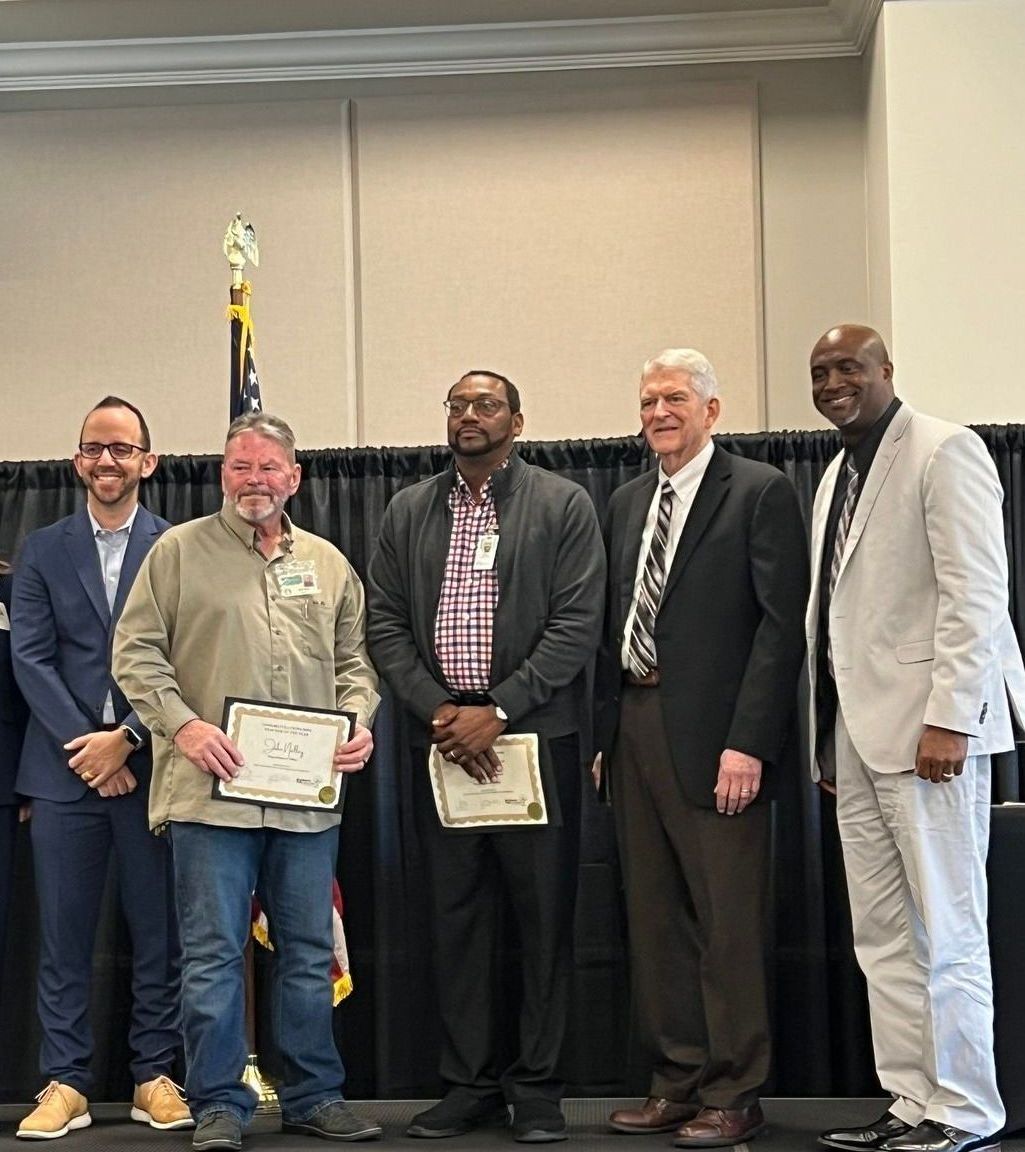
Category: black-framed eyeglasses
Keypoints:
(482, 405)
(119, 450)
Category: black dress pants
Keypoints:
(475, 877)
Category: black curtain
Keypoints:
(386, 1029)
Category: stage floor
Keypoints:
(793, 1125)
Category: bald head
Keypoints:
(851, 378)
(861, 336)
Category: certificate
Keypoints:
(289, 755)
(516, 799)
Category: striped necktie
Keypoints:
(844, 524)
(641, 653)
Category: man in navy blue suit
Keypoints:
(85, 766)
(12, 730)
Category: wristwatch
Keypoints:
(500, 712)
(132, 737)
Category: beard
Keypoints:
(270, 507)
(479, 445)
(110, 487)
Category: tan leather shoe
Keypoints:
(721, 1127)
(656, 1114)
(60, 1109)
(160, 1103)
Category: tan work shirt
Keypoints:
(205, 619)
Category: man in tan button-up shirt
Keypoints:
(209, 618)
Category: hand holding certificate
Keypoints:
(515, 798)
(289, 755)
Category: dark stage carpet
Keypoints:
(793, 1126)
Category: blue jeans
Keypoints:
(216, 870)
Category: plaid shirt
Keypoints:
(465, 620)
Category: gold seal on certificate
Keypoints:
(516, 799)
(289, 755)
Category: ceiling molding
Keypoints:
(832, 28)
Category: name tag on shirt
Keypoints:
(297, 578)
(5, 623)
(487, 550)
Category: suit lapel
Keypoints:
(820, 514)
(881, 465)
(633, 530)
(81, 546)
(140, 540)
(710, 494)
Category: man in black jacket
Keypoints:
(708, 574)
(484, 612)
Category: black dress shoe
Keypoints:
(538, 1122)
(931, 1136)
(868, 1137)
(459, 1112)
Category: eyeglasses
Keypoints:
(482, 405)
(91, 450)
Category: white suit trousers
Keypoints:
(915, 856)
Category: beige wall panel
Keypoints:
(813, 221)
(113, 278)
(956, 156)
(559, 238)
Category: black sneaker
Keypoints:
(217, 1130)
(335, 1121)
(461, 1111)
(538, 1122)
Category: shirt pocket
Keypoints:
(311, 624)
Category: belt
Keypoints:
(650, 680)
(471, 699)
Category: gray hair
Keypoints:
(264, 424)
(686, 360)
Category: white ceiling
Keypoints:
(91, 44)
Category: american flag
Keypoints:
(245, 384)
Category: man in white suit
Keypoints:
(912, 658)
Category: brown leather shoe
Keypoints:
(656, 1114)
(720, 1127)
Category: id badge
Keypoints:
(487, 550)
(297, 578)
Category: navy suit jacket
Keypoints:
(12, 709)
(61, 635)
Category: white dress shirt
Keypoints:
(111, 544)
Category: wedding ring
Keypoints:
(948, 775)
(87, 775)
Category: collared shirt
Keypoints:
(685, 483)
(464, 624)
(111, 545)
(205, 620)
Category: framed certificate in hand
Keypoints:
(288, 752)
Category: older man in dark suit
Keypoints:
(703, 646)
(85, 766)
